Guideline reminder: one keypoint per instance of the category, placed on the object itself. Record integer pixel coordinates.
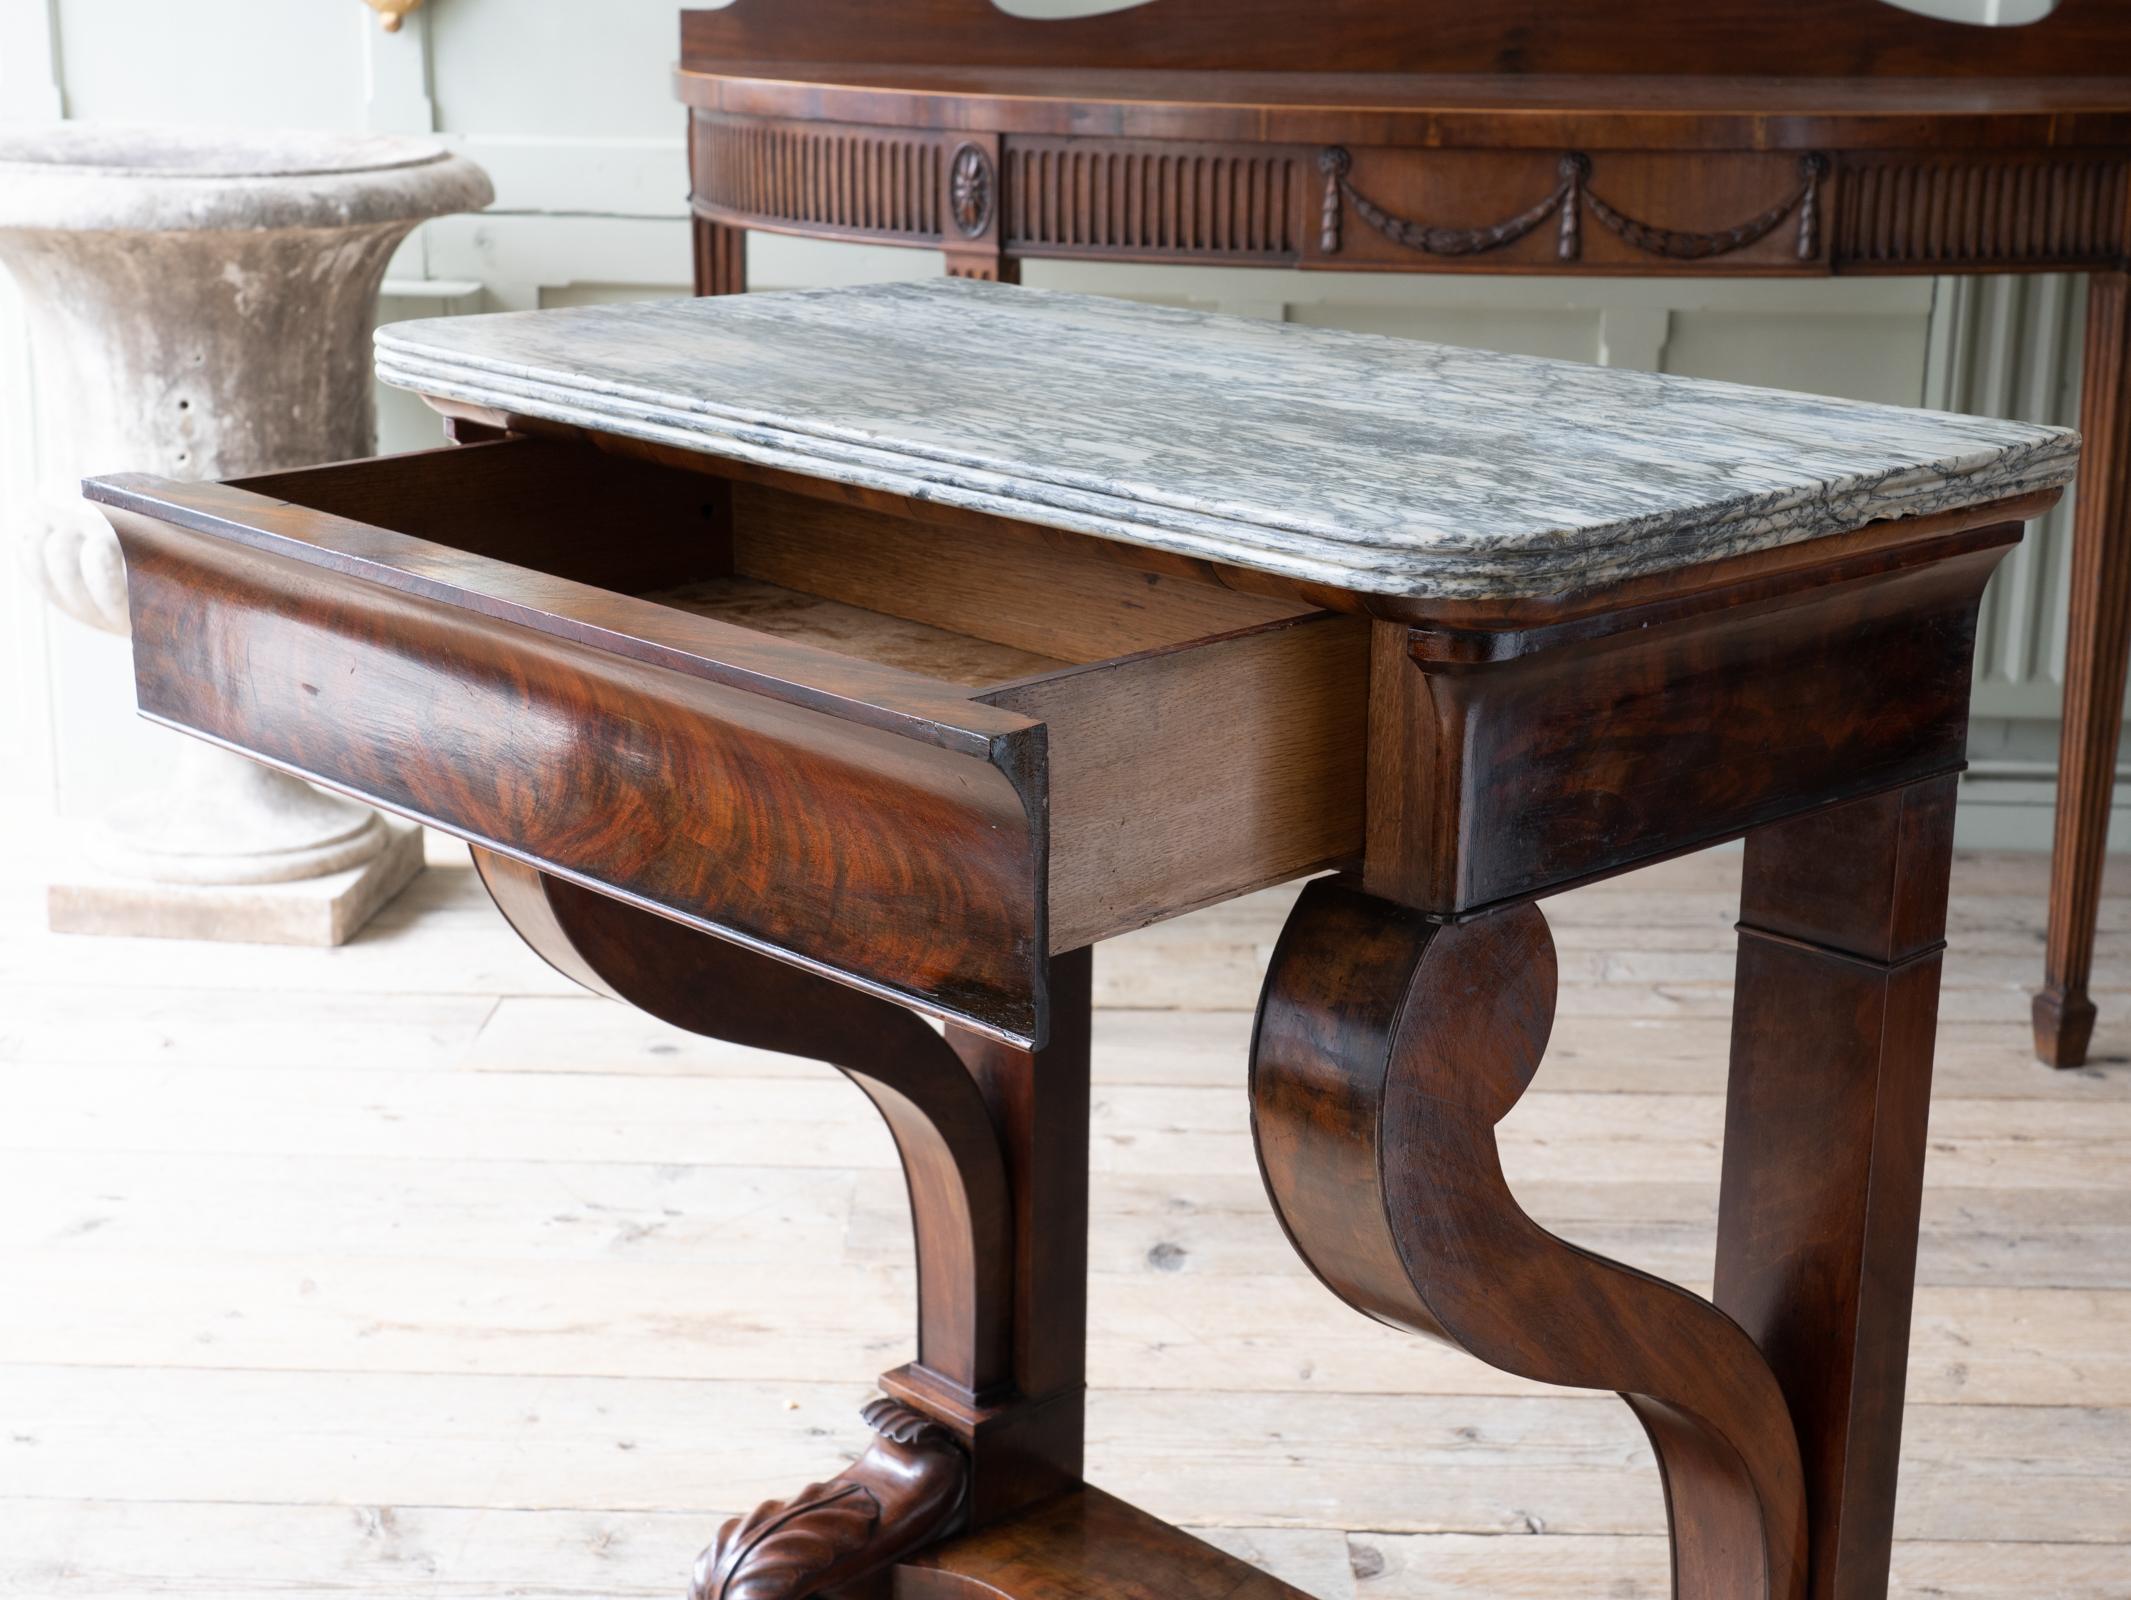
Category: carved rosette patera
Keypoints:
(1571, 196)
(905, 1491)
(972, 190)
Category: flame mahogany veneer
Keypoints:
(683, 707)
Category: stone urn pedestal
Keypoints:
(200, 306)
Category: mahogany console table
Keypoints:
(805, 667)
(1556, 136)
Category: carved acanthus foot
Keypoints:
(907, 1490)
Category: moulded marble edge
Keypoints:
(1548, 562)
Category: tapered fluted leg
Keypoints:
(720, 258)
(2096, 655)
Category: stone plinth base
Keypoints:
(306, 911)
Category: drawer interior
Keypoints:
(971, 607)
(1201, 741)
(879, 636)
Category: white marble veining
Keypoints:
(1374, 464)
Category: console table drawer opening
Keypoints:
(917, 759)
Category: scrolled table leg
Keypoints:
(994, 1143)
(1387, 1048)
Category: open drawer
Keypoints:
(914, 753)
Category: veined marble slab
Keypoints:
(1369, 463)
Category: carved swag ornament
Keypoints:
(1571, 197)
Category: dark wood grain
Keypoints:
(795, 847)
(720, 257)
(1104, 799)
(1339, 191)
(1805, 38)
(1084, 1545)
(1054, 841)
(1387, 1047)
(1027, 1438)
(1821, 707)
(1889, 142)
(532, 503)
(2039, 118)
(1842, 921)
(962, 1204)
(1546, 756)
(497, 564)
(1539, 136)
(787, 797)
(994, 1146)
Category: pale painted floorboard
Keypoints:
(405, 1270)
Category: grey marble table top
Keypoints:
(1373, 464)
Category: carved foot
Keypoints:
(904, 1492)
(1387, 1049)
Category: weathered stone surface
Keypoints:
(325, 910)
(199, 306)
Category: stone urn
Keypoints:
(200, 306)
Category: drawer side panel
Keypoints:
(1183, 777)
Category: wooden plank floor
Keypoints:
(406, 1270)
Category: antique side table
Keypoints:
(1672, 137)
(810, 669)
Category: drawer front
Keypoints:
(830, 813)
